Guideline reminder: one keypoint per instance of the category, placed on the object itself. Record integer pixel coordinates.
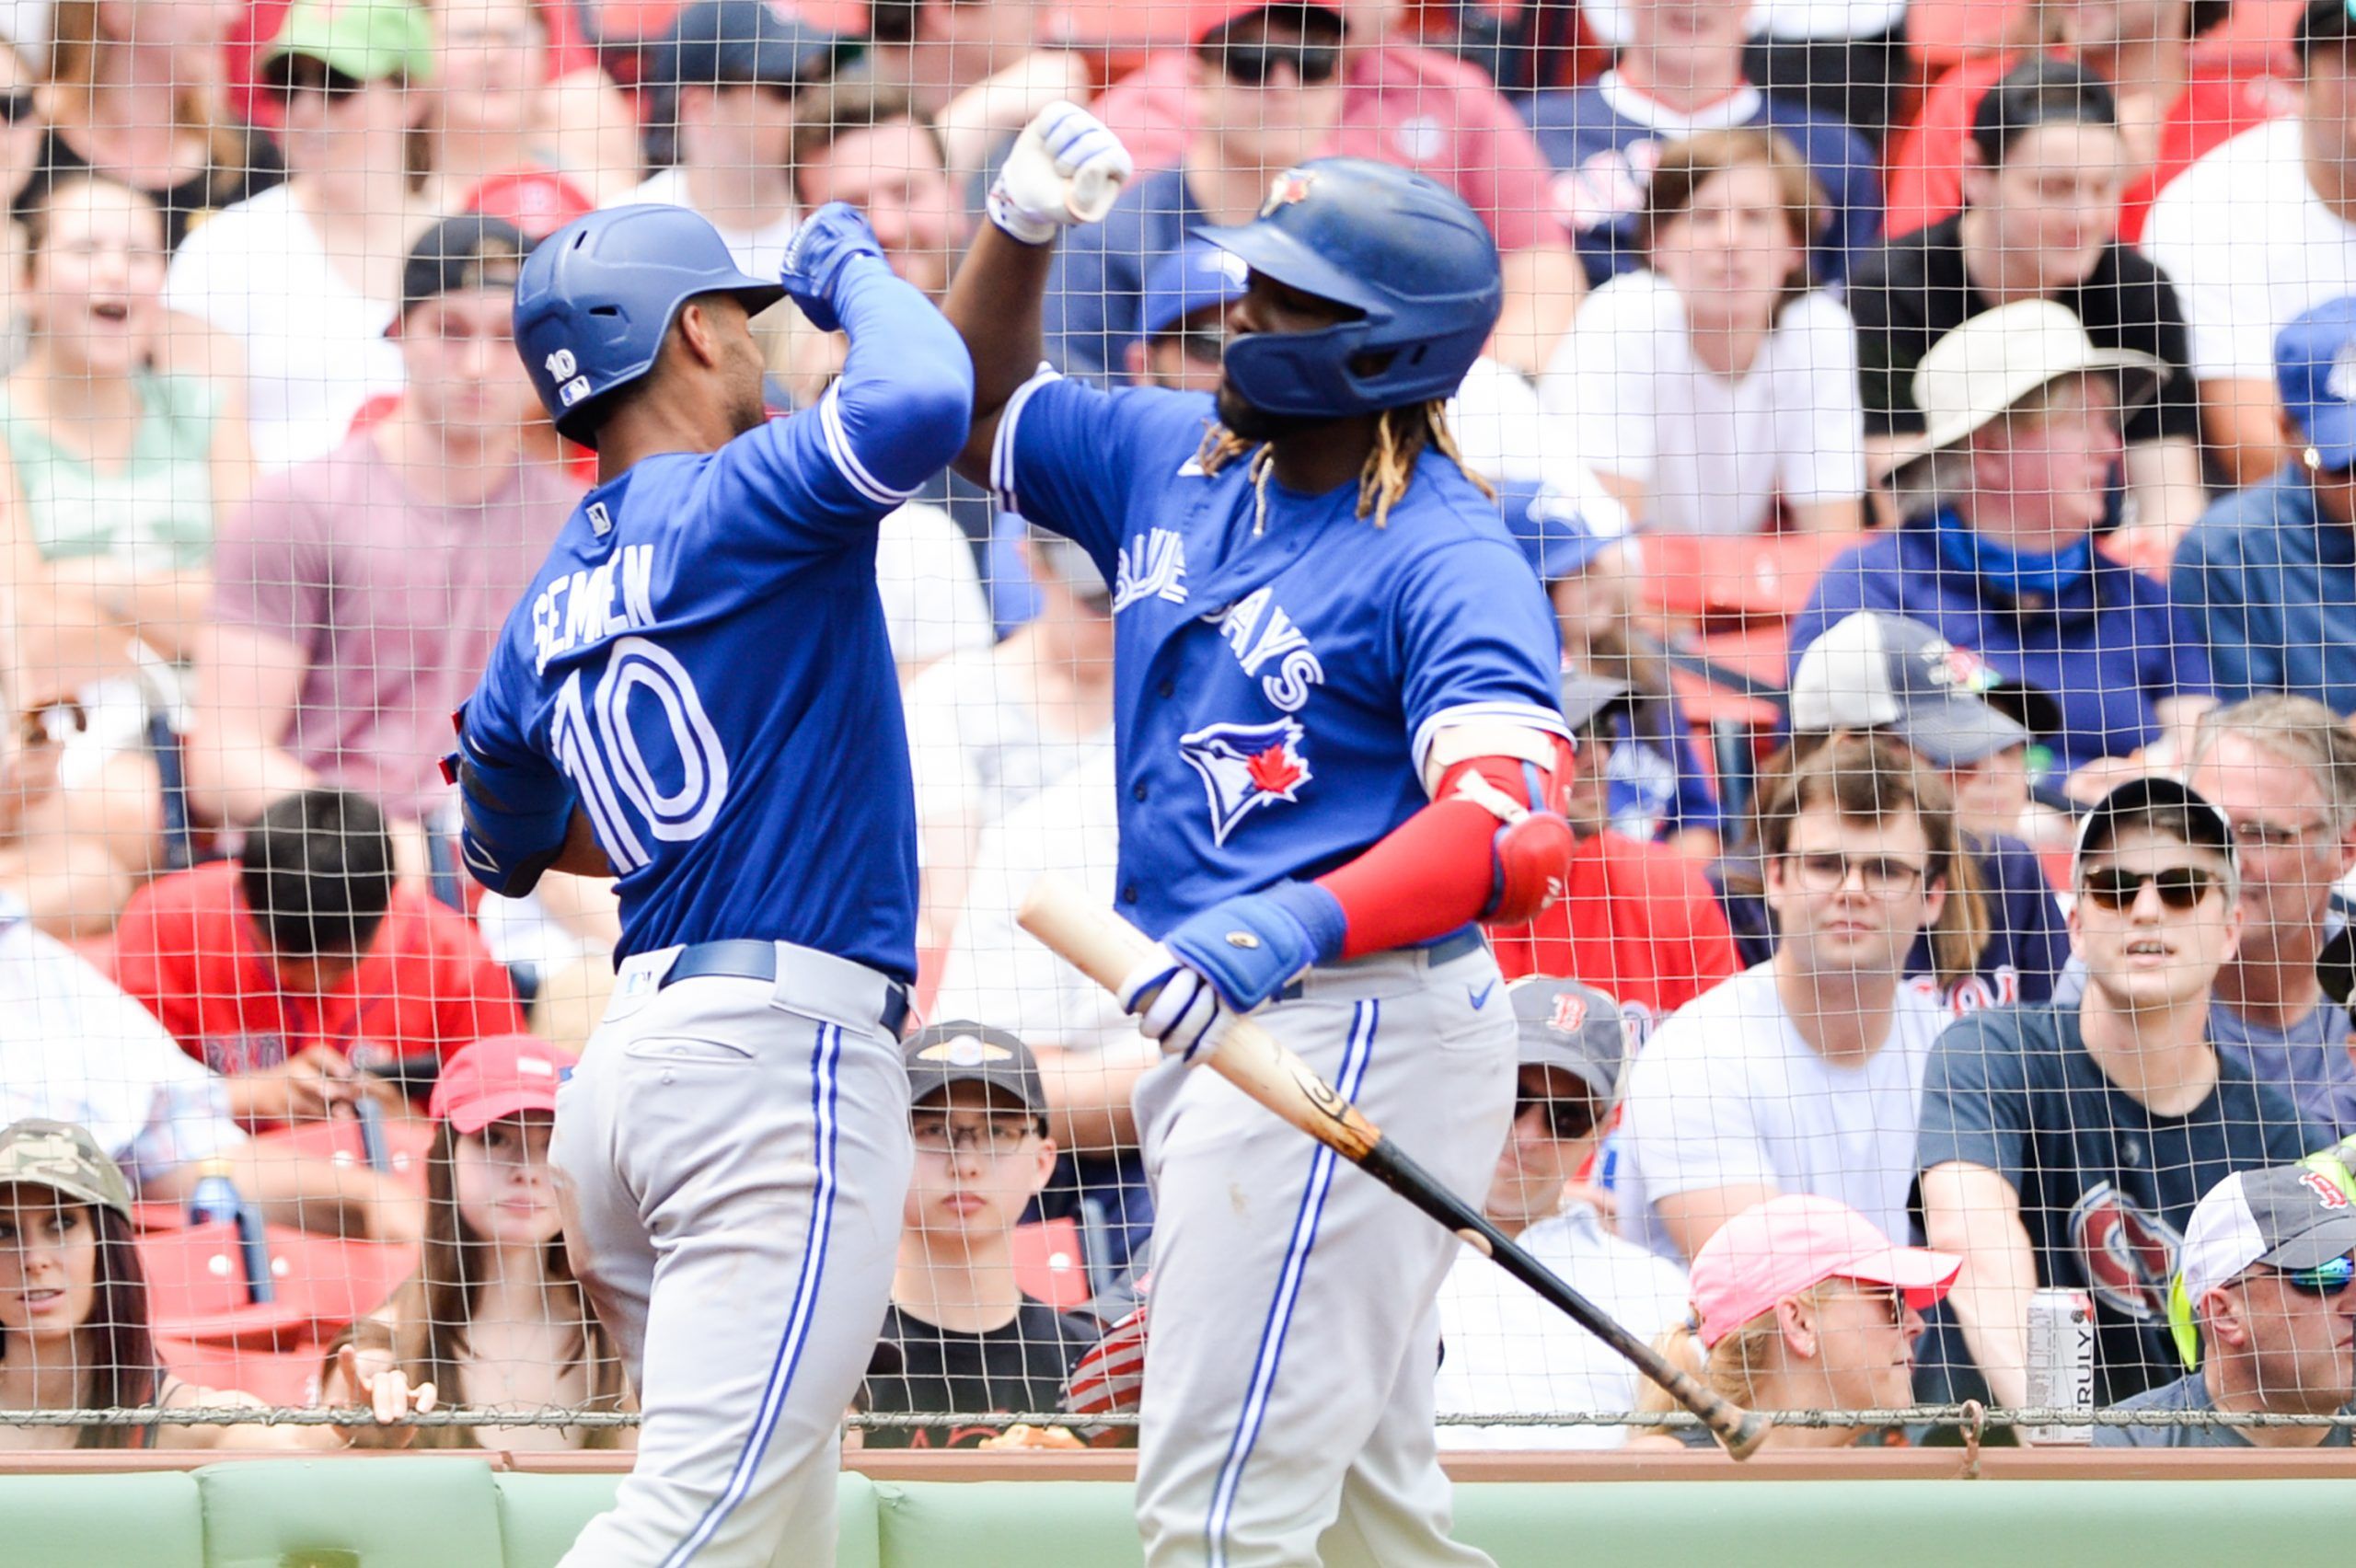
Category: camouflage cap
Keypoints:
(65, 1157)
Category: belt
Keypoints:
(1447, 950)
(744, 958)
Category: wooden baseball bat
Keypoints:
(1107, 949)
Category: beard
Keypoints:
(1252, 422)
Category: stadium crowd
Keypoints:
(1942, 469)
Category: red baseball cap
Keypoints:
(498, 1076)
(537, 201)
(1790, 1245)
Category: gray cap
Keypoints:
(1873, 671)
(964, 1052)
(2285, 1217)
(1565, 1024)
(2154, 795)
(1585, 696)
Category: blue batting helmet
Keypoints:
(597, 297)
(1404, 251)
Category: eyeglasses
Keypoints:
(1567, 1118)
(19, 105)
(2258, 836)
(999, 1135)
(1251, 64)
(2328, 1278)
(1204, 345)
(2115, 888)
(1882, 876)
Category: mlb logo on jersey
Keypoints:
(1246, 765)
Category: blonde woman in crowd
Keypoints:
(1800, 1302)
(1716, 382)
(307, 275)
(136, 94)
(494, 1319)
(74, 1332)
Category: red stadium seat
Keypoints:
(1763, 577)
(407, 1140)
(277, 1378)
(1050, 1264)
(196, 1286)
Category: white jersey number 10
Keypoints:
(600, 753)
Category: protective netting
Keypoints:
(1922, 419)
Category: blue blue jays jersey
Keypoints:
(1276, 693)
(1605, 139)
(702, 662)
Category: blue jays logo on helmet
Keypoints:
(1245, 767)
(1413, 264)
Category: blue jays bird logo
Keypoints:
(1287, 188)
(1244, 765)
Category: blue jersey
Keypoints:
(1276, 693)
(1605, 139)
(702, 662)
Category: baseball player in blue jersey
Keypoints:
(696, 695)
(1337, 742)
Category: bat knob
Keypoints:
(1748, 1435)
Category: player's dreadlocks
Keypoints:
(1400, 437)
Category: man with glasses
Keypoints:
(1266, 80)
(2271, 570)
(2067, 1145)
(960, 1334)
(1505, 1349)
(1803, 1075)
(2263, 1311)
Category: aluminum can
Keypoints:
(2060, 1363)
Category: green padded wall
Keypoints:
(394, 1513)
(540, 1515)
(120, 1521)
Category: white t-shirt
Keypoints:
(1782, 20)
(74, 1048)
(997, 974)
(315, 346)
(2249, 246)
(1507, 1352)
(1712, 454)
(1727, 1094)
(933, 603)
(759, 251)
(975, 743)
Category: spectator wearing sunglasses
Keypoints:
(2264, 1292)
(1404, 104)
(1803, 1075)
(2067, 1145)
(1506, 1350)
(1680, 73)
(2270, 572)
(112, 63)
(1267, 96)
(306, 276)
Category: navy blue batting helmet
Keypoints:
(1404, 251)
(597, 297)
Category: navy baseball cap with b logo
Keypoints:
(2314, 363)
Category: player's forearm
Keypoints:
(906, 396)
(995, 307)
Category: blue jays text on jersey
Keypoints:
(698, 662)
(1276, 693)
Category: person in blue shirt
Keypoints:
(1336, 749)
(1681, 72)
(2270, 572)
(1268, 93)
(2001, 495)
(696, 695)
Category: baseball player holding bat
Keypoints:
(1337, 742)
(696, 695)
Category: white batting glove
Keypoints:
(1065, 169)
(1176, 1008)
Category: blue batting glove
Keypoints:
(819, 254)
(1254, 945)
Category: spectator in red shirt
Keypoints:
(1636, 919)
(301, 961)
(2172, 106)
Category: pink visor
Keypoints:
(1791, 1244)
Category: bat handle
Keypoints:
(1737, 1430)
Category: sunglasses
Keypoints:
(2327, 1278)
(1251, 64)
(1566, 1118)
(19, 105)
(304, 77)
(2115, 888)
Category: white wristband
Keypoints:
(1028, 227)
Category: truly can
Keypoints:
(2060, 1363)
